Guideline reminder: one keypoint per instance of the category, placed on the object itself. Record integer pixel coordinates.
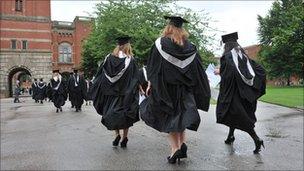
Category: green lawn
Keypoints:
(285, 96)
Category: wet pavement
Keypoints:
(34, 137)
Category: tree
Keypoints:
(143, 20)
(281, 34)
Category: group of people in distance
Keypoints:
(39, 90)
(58, 90)
(176, 86)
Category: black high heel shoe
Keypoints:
(229, 140)
(123, 143)
(116, 141)
(174, 157)
(57, 110)
(258, 145)
(183, 149)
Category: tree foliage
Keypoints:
(143, 20)
(281, 34)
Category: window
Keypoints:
(65, 53)
(24, 44)
(14, 44)
(18, 5)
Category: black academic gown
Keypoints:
(89, 90)
(34, 90)
(142, 78)
(77, 92)
(41, 91)
(237, 101)
(177, 92)
(49, 91)
(116, 102)
(59, 95)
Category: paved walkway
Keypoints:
(33, 137)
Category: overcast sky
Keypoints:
(229, 16)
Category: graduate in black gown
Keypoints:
(49, 91)
(72, 105)
(77, 89)
(115, 91)
(41, 91)
(34, 90)
(89, 91)
(177, 87)
(243, 81)
(59, 94)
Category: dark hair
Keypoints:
(230, 45)
(41, 79)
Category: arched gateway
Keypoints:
(22, 74)
(23, 67)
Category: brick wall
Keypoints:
(37, 8)
(73, 33)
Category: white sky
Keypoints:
(228, 16)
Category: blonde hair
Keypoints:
(126, 48)
(177, 35)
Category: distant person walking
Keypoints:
(89, 92)
(59, 94)
(41, 91)
(77, 89)
(35, 90)
(17, 92)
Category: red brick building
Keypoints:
(31, 44)
(253, 51)
(67, 40)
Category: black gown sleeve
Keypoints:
(153, 63)
(201, 89)
(260, 78)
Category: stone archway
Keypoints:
(38, 64)
(14, 74)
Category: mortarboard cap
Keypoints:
(123, 40)
(176, 21)
(231, 37)
(56, 70)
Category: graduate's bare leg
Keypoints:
(117, 132)
(117, 138)
(182, 144)
(124, 141)
(182, 138)
(257, 141)
(176, 154)
(125, 133)
(174, 142)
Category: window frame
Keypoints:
(65, 53)
(22, 44)
(14, 42)
(19, 5)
